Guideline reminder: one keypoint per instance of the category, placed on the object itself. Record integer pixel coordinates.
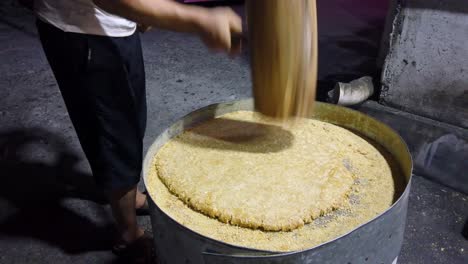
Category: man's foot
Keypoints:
(138, 251)
(133, 244)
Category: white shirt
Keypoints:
(82, 16)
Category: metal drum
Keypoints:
(377, 241)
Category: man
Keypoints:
(95, 54)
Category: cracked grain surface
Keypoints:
(353, 177)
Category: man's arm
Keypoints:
(215, 26)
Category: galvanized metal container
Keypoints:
(377, 241)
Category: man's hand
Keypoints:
(218, 28)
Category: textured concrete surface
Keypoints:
(436, 218)
(426, 71)
(50, 211)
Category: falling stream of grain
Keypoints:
(283, 38)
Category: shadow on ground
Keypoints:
(35, 190)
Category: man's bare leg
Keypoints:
(123, 204)
(140, 199)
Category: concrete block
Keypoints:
(426, 69)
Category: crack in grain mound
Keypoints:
(248, 170)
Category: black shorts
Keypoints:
(102, 81)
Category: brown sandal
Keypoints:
(140, 251)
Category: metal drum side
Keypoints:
(176, 243)
(377, 241)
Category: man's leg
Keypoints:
(140, 201)
(102, 83)
(123, 204)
